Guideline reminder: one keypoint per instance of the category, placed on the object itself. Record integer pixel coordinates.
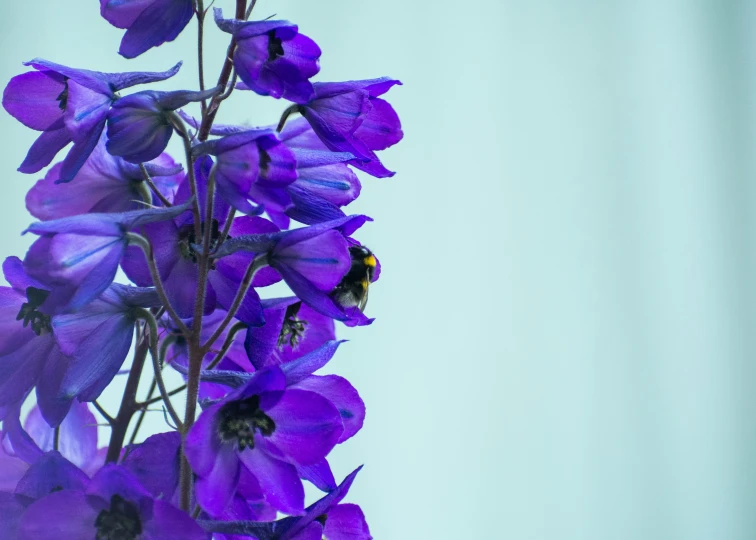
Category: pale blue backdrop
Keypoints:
(565, 338)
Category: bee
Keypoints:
(353, 289)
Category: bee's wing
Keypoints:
(366, 289)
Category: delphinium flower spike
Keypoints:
(201, 238)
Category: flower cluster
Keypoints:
(200, 238)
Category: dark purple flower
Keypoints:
(66, 105)
(312, 260)
(115, 505)
(291, 329)
(148, 23)
(272, 57)
(350, 117)
(155, 464)
(269, 430)
(139, 126)
(77, 257)
(104, 184)
(177, 259)
(247, 162)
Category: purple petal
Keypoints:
(319, 474)
(311, 295)
(12, 333)
(22, 367)
(11, 511)
(116, 480)
(51, 473)
(346, 522)
(155, 463)
(279, 481)
(53, 406)
(215, 489)
(32, 99)
(160, 22)
(170, 523)
(12, 469)
(78, 434)
(323, 260)
(299, 369)
(85, 111)
(381, 127)
(45, 148)
(308, 425)
(343, 395)
(64, 514)
(122, 14)
(203, 443)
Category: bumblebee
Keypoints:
(353, 289)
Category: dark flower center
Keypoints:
(264, 160)
(322, 518)
(187, 239)
(62, 98)
(241, 419)
(40, 323)
(275, 47)
(121, 522)
(292, 328)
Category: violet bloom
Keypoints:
(104, 184)
(272, 57)
(312, 260)
(48, 474)
(139, 125)
(247, 162)
(77, 257)
(291, 329)
(176, 257)
(66, 105)
(148, 23)
(269, 430)
(29, 355)
(350, 117)
(114, 506)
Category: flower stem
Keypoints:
(225, 75)
(150, 320)
(256, 264)
(153, 187)
(236, 328)
(149, 254)
(128, 408)
(200, 46)
(180, 128)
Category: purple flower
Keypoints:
(155, 464)
(269, 430)
(176, 257)
(272, 57)
(148, 23)
(77, 257)
(247, 163)
(292, 329)
(104, 184)
(139, 126)
(49, 474)
(350, 117)
(312, 260)
(114, 505)
(66, 105)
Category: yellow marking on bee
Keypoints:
(365, 283)
(370, 261)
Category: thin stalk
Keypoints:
(249, 9)
(225, 95)
(152, 400)
(150, 320)
(148, 180)
(200, 46)
(149, 254)
(56, 438)
(285, 116)
(142, 412)
(226, 227)
(180, 127)
(256, 264)
(127, 409)
(235, 329)
(103, 412)
(225, 75)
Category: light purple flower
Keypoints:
(67, 105)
